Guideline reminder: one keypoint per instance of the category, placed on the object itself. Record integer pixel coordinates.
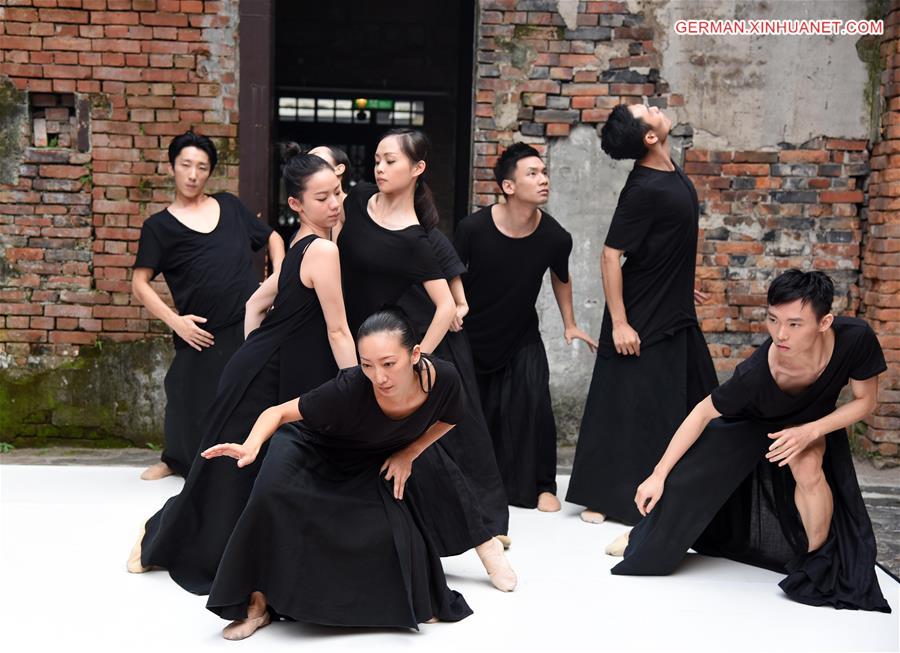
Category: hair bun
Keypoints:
(291, 150)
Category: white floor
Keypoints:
(66, 532)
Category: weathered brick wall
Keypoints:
(880, 302)
(545, 66)
(136, 72)
(767, 211)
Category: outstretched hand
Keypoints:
(399, 469)
(649, 493)
(700, 297)
(574, 333)
(243, 454)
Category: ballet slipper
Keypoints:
(157, 471)
(547, 502)
(617, 546)
(243, 628)
(497, 566)
(134, 565)
(505, 540)
(433, 620)
(592, 517)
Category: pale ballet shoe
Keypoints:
(243, 628)
(592, 517)
(617, 546)
(505, 540)
(157, 471)
(433, 620)
(547, 502)
(134, 565)
(497, 566)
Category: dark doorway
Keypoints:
(349, 70)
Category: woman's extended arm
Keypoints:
(445, 310)
(399, 464)
(259, 303)
(322, 265)
(266, 425)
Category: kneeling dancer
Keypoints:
(327, 535)
(761, 471)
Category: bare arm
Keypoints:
(791, 441)
(275, 247)
(563, 293)
(399, 464)
(445, 310)
(259, 303)
(266, 425)
(625, 339)
(650, 491)
(184, 325)
(462, 304)
(322, 265)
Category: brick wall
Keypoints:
(799, 205)
(133, 74)
(880, 282)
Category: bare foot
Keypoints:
(497, 566)
(547, 502)
(134, 565)
(257, 617)
(505, 540)
(592, 517)
(617, 546)
(157, 471)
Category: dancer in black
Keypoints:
(385, 250)
(652, 352)
(761, 472)
(469, 443)
(507, 248)
(293, 350)
(330, 535)
(203, 245)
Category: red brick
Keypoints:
(847, 196)
(63, 16)
(803, 156)
(73, 337)
(67, 310)
(22, 335)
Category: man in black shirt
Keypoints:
(203, 245)
(774, 484)
(653, 364)
(507, 248)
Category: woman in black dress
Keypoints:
(469, 443)
(329, 535)
(385, 250)
(295, 349)
(203, 245)
(761, 472)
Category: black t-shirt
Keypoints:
(655, 224)
(343, 413)
(502, 283)
(209, 274)
(415, 301)
(752, 393)
(377, 264)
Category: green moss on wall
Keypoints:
(13, 120)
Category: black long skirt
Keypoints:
(469, 445)
(519, 414)
(723, 498)
(323, 538)
(633, 407)
(188, 535)
(190, 386)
